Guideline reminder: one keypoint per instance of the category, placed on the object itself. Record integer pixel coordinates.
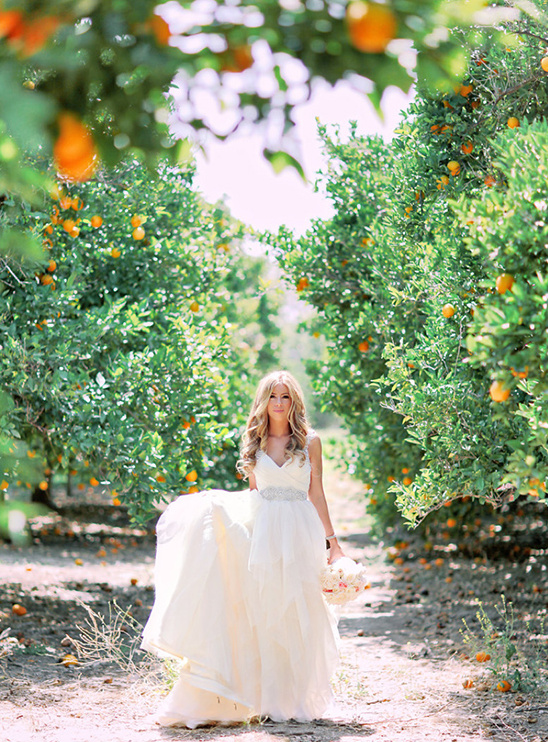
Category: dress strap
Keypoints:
(309, 436)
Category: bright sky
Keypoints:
(256, 195)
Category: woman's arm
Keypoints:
(317, 497)
(252, 481)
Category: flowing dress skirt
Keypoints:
(238, 602)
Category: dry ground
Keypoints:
(402, 669)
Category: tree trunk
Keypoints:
(44, 496)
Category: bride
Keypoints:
(237, 579)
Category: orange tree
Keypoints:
(111, 63)
(124, 353)
(430, 286)
(86, 83)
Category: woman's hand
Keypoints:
(335, 551)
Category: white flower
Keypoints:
(343, 581)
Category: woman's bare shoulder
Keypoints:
(314, 442)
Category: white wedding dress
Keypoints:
(238, 602)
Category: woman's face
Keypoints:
(279, 403)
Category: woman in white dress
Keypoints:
(237, 579)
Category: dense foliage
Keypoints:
(431, 288)
(130, 351)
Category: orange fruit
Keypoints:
(490, 181)
(65, 202)
(18, 609)
(45, 280)
(68, 225)
(136, 221)
(77, 204)
(448, 310)
(520, 374)
(94, 482)
(192, 476)
(466, 148)
(69, 659)
(160, 29)
(468, 683)
(4, 485)
(438, 562)
(303, 283)
(11, 24)
(503, 686)
(454, 167)
(498, 392)
(363, 347)
(115, 252)
(74, 151)
(116, 502)
(193, 489)
(504, 283)
(139, 233)
(370, 26)
(96, 221)
(194, 306)
(544, 63)
(237, 58)
(43, 485)
(52, 265)
(391, 478)
(483, 657)
(465, 90)
(513, 122)
(134, 580)
(407, 480)
(160, 478)
(451, 522)
(35, 34)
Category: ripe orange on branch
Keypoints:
(96, 221)
(513, 122)
(498, 392)
(139, 233)
(544, 63)
(448, 310)
(74, 152)
(504, 282)
(363, 347)
(370, 26)
(237, 58)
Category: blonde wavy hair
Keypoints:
(256, 433)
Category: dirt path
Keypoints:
(400, 678)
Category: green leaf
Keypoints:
(281, 160)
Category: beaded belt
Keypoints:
(282, 493)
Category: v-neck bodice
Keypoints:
(290, 481)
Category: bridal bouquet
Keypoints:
(343, 581)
